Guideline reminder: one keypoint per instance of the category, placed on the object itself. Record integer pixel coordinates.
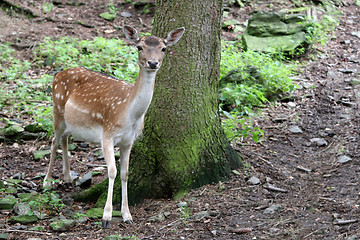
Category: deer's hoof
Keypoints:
(129, 222)
(106, 223)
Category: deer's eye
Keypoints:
(139, 48)
(163, 49)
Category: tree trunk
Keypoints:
(183, 144)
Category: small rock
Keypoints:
(72, 147)
(4, 236)
(31, 136)
(355, 82)
(36, 228)
(108, 16)
(13, 130)
(68, 201)
(181, 204)
(231, 22)
(22, 209)
(84, 144)
(85, 181)
(82, 220)
(291, 104)
(331, 74)
(274, 230)
(126, 14)
(158, 218)
(272, 209)
(18, 176)
(344, 159)
(62, 225)
(254, 181)
(23, 219)
(320, 142)
(8, 202)
(295, 129)
(200, 215)
(74, 175)
(34, 128)
(41, 154)
(357, 34)
(20, 227)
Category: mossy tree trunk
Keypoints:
(183, 144)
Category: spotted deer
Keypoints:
(98, 108)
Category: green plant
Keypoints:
(47, 7)
(111, 56)
(237, 129)
(79, 215)
(185, 213)
(249, 79)
(320, 31)
(48, 201)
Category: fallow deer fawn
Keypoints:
(98, 108)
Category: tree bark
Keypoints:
(183, 145)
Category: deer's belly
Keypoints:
(90, 134)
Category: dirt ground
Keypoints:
(303, 190)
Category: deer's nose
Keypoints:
(153, 65)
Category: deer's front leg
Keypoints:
(108, 150)
(65, 156)
(124, 163)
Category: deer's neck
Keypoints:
(142, 93)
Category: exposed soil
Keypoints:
(318, 197)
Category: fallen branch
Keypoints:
(344, 222)
(275, 189)
(24, 231)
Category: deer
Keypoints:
(99, 108)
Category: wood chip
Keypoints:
(241, 230)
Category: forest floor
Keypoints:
(294, 185)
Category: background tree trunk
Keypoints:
(183, 144)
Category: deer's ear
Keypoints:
(174, 36)
(131, 34)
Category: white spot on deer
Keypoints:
(98, 115)
(62, 97)
(67, 93)
(93, 114)
(55, 86)
(57, 95)
(65, 87)
(119, 102)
